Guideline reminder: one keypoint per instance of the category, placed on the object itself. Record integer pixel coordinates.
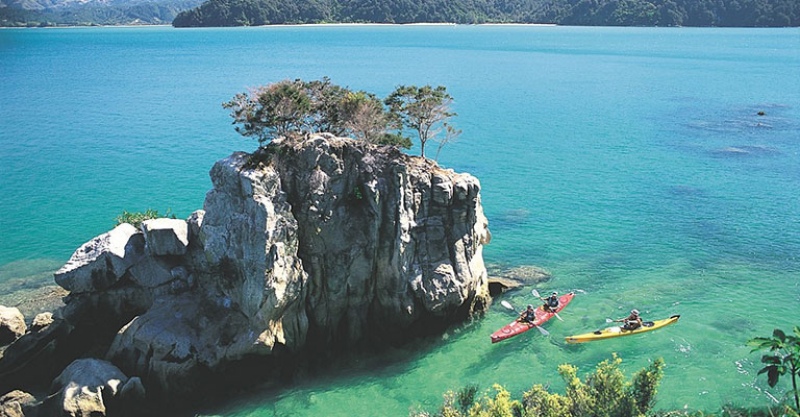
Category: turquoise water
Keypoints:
(629, 162)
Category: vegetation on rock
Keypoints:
(290, 107)
(137, 217)
(425, 110)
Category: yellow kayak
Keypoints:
(618, 331)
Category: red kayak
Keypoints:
(516, 327)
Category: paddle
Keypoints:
(508, 305)
(536, 294)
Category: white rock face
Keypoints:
(166, 236)
(102, 261)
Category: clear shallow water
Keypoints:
(630, 162)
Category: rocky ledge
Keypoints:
(310, 246)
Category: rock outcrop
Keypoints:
(308, 243)
(12, 325)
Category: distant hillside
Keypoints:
(91, 12)
(735, 13)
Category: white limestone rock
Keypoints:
(12, 325)
(165, 236)
(102, 261)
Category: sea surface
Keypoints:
(631, 163)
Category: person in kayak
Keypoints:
(529, 315)
(551, 302)
(632, 322)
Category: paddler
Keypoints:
(551, 302)
(529, 315)
(632, 322)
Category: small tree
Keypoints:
(312, 106)
(271, 110)
(783, 358)
(422, 109)
(364, 116)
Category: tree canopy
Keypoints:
(425, 110)
(297, 106)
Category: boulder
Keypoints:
(165, 236)
(16, 403)
(12, 325)
(101, 262)
(34, 357)
(86, 387)
(41, 321)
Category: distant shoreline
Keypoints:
(285, 25)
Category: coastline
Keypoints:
(135, 26)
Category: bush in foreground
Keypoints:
(603, 393)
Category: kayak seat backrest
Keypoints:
(648, 324)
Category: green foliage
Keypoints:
(466, 397)
(740, 13)
(289, 107)
(541, 403)
(394, 139)
(500, 406)
(645, 386)
(782, 358)
(136, 218)
(425, 110)
(603, 393)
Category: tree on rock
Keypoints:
(425, 110)
(301, 106)
(271, 110)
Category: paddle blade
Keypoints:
(609, 321)
(507, 305)
(558, 317)
(543, 331)
(535, 293)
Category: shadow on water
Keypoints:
(380, 369)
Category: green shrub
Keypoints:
(136, 218)
(603, 393)
(500, 406)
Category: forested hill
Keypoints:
(734, 13)
(91, 12)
